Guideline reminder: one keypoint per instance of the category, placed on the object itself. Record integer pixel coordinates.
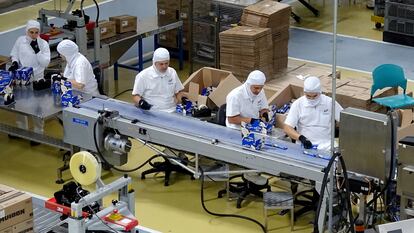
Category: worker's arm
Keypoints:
(179, 95)
(136, 98)
(291, 132)
(76, 85)
(238, 119)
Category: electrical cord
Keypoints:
(224, 215)
(122, 92)
(94, 213)
(97, 11)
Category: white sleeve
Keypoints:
(292, 118)
(338, 110)
(139, 85)
(81, 71)
(178, 85)
(15, 51)
(264, 104)
(233, 106)
(43, 57)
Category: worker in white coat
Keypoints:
(311, 115)
(158, 86)
(78, 69)
(247, 102)
(31, 51)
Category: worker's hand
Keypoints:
(252, 120)
(184, 100)
(142, 104)
(265, 117)
(14, 66)
(35, 46)
(57, 77)
(305, 142)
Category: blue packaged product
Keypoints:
(66, 87)
(75, 100)
(66, 99)
(56, 87)
(25, 74)
(188, 106)
(178, 108)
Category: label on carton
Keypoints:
(124, 23)
(183, 15)
(2, 214)
(103, 30)
(161, 12)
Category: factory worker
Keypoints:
(31, 51)
(247, 102)
(158, 86)
(78, 69)
(311, 115)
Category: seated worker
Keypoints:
(78, 69)
(158, 86)
(31, 51)
(311, 115)
(247, 102)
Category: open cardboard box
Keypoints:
(222, 82)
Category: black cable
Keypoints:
(348, 193)
(122, 92)
(224, 215)
(97, 11)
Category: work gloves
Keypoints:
(41, 84)
(265, 117)
(184, 100)
(57, 77)
(305, 142)
(35, 46)
(144, 105)
(14, 66)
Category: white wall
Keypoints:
(139, 8)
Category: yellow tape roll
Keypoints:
(84, 168)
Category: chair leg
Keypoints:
(265, 218)
(292, 218)
(243, 194)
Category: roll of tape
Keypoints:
(84, 167)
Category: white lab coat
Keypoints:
(240, 103)
(80, 70)
(157, 89)
(314, 122)
(23, 53)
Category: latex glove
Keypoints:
(184, 100)
(265, 117)
(142, 104)
(35, 46)
(305, 142)
(14, 66)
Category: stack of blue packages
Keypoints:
(67, 97)
(284, 109)
(184, 109)
(6, 87)
(23, 75)
(206, 91)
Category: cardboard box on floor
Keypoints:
(3, 62)
(222, 82)
(23, 227)
(15, 207)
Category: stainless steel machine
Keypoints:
(405, 187)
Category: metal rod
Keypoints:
(331, 182)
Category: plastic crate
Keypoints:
(399, 10)
(399, 26)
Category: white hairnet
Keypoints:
(67, 48)
(161, 54)
(312, 84)
(32, 24)
(256, 77)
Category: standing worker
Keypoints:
(247, 102)
(311, 115)
(31, 51)
(78, 69)
(158, 86)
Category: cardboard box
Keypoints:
(125, 23)
(3, 62)
(15, 207)
(23, 227)
(107, 28)
(169, 39)
(221, 81)
(406, 117)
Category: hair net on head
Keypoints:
(312, 84)
(67, 48)
(161, 54)
(256, 77)
(32, 24)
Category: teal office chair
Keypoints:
(389, 75)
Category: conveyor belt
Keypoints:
(197, 128)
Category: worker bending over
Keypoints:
(158, 86)
(247, 102)
(78, 69)
(311, 116)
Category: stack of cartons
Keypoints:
(16, 211)
(170, 11)
(273, 15)
(244, 49)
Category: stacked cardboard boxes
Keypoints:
(124, 23)
(273, 15)
(108, 30)
(244, 49)
(16, 211)
(170, 11)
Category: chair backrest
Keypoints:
(388, 75)
(221, 115)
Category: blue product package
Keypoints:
(178, 108)
(251, 139)
(75, 100)
(25, 74)
(66, 99)
(188, 106)
(56, 87)
(5, 81)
